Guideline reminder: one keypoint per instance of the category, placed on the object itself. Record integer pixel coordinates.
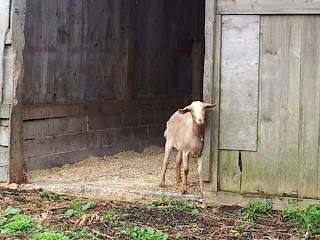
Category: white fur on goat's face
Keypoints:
(198, 111)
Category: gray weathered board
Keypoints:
(239, 82)
(268, 6)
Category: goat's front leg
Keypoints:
(185, 160)
(200, 175)
(178, 167)
(168, 149)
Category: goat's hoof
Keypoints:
(162, 184)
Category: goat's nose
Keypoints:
(200, 120)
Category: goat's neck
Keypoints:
(197, 129)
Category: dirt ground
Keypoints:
(107, 219)
(125, 176)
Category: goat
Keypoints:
(185, 132)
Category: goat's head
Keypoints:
(197, 110)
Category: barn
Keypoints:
(82, 78)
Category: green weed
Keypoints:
(51, 196)
(253, 210)
(77, 207)
(18, 223)
(49, 235)
(173, 205)
(308, 219)
(141, 233)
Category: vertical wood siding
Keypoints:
(286, 162)
(74, 50)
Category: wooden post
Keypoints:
(17, 161)
(211, 76)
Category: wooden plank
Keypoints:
(211, 28)
(36, 64)
(30, 31)
(229, 171)
(250, 172)
(309, 113)
(239, 82)
(52, 49)
(62, 52)
(279, 109)
(270, 94)
(268, 7)
(41, 111)
(288, 114)
(197, 70)
(4, 25)
(128, 18)
(43, 49)
(93, 48)
(75, 26)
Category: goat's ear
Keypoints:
(210, 106)
(185, 110)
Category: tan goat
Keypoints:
(185, 132)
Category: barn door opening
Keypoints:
(168, 48)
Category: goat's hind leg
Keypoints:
(168, 149)
(185, 160)
(178, 167)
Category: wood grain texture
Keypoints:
(239, 82)
(250, 172)
(212, 26)
(309, 109)
(270, 104)
(268, 7)
(229, 171)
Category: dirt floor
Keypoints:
(125, 176)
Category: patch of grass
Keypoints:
(110, 215)
(18, 223)
(308, 219)
(173, 205)
(253, 210)
(77, 207)
(141, 233)
(51, 196)
(49, 235)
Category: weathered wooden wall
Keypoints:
(286, 160)
(165, 34)
(79, 51)
(75, 50)
(56, 134)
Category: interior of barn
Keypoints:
(103, 77)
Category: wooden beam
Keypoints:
(268, 7)
(42, 111)
(208, 91)
(17, 161)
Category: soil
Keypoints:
(126, 176)
(206, 223)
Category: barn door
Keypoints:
(270, 105)
(238, 98)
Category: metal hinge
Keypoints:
(8, 40)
